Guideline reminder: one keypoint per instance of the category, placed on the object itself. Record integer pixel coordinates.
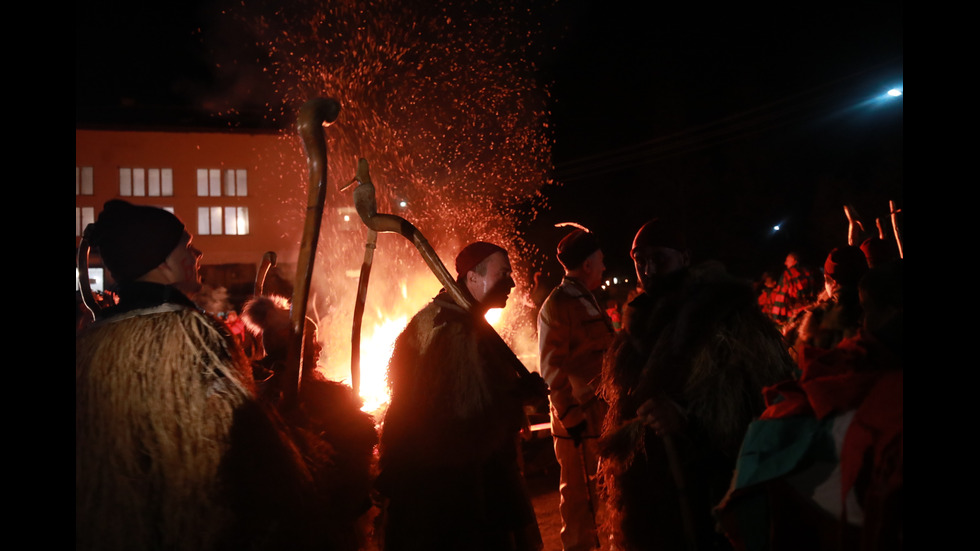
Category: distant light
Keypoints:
(895, 92)
(346, 218)
(615, 281)
(777, 227)
(403, 204)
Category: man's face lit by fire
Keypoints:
(491, 289)
(183, 266)
(654, 262)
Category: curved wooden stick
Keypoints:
(898, 235)
(84, 286)
(367, 209)
(268, 262)
(362, 287)
(854, 226)
(313, 117)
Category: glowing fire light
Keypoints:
(444, 102)
(493, 316)
(377, 343)
(375, 352)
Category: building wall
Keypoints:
(275, 168)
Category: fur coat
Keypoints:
(702, 343)
(172, 451)
(449, 459)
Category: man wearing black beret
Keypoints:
(573, 334)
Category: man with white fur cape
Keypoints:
(172, 449)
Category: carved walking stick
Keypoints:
(367, 209)
(313, 117)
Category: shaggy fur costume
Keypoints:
(337, 441)
(335, 438)
(702, 343)
(171, 449)
(448, 455)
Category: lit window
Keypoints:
(142, 182)
(222, 221)
(160, 182)
(126, 182)
(236, 220)
(83, 217)
(96, 279)
(83, 180)
(139, 182)
(212, 182)
(167, 182)
(241, 176)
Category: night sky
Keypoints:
(730, 119)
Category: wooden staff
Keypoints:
(854, 226)
(898, 236)
(254, 344)
(367, 209)
(268, 262)
(362, 286)
(313, 117)
(674, 460)
(674, 464)
(85, 287)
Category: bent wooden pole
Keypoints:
(367, 209)
(313, 117)
(268, 262)
(854, 226)
(84, 283)
(893, 213)
(362, 287)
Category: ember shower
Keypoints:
(442, 100)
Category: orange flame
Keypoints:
(378, 341)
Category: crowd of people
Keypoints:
(710, 416)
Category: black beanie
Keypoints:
(846, 265)
(133, 239)
(575, 247)
(660, 232)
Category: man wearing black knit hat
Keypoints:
(171, 448)
(148, 253)
(449, 467)
(573, 335)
